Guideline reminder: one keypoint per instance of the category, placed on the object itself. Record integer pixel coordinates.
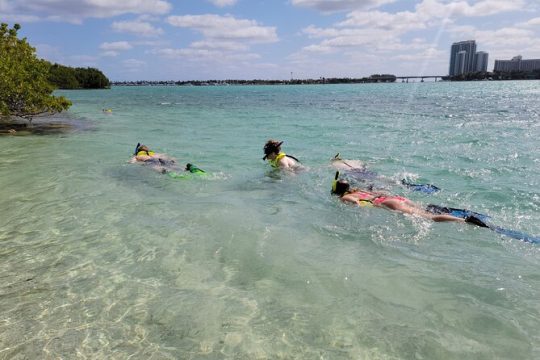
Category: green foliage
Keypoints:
(65, 77)
(24, 87)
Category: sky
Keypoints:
(271, 39)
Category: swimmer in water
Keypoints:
(358, 171)
(159, 162)
(362, 197)
(278, 159)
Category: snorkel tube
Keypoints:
(334, 183)
(137, 148)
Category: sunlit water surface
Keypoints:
(103, 259)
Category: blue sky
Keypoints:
(271, 39)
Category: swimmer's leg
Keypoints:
(409, 207)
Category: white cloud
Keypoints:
(136, 27)
(223, 3)
(532, 23)
(340, 5)
(436, 8)
(226, 27)
(115, 46)
(427, 54)
(376, 32)
(225, 39)
(74, 11)
(401, 21)
(514, 38)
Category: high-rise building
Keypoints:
(481, 61)
(517, 64)
(460, 63)
(462, 57)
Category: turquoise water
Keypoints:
(103, 259)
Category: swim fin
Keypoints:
(461, 213)
(480, 220)
(518, 235)
(194, 169)
(514, 234)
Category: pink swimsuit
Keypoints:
(381, 199)
(364, 196)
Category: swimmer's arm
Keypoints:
(350, 199)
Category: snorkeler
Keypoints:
(277, 158)
(363, 197)
(159, 162)
(358, 171)
(436, 213)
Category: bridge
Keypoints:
(405, 79)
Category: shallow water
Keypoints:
(105, 259)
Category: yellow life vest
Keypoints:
(275, 162)
(146, 153)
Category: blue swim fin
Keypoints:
(514, 234)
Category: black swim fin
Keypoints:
(471, 219)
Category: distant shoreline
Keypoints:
(330, 81)
(372, 79)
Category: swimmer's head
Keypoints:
(272, 147)
(143, 148)
(341, 187)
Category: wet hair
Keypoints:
(272, 146)
(342, 186)
(143, 148)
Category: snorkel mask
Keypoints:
(270, 148)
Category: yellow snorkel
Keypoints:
(334, 183)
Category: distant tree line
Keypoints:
(372, 79)
(497, 75)
(65, 77)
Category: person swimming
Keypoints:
(358, 171)
(362, 197)
(159, 162)
(277, 158)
